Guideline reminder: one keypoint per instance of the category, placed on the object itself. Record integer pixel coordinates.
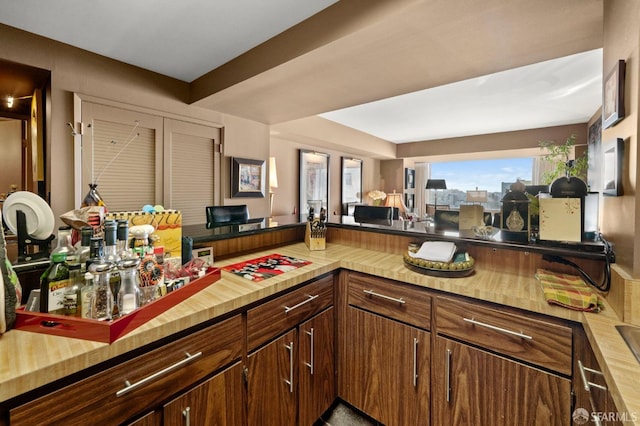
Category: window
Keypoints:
(495, 176)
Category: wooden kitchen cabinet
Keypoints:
(493, 367)
(140, 384)
(472, 386)
(291, 379)
(385, 363)
(590, 389)
(218, 401)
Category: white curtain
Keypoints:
(423, 171)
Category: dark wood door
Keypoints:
(317, 386)
(272, 382)
(475, 387)
(386, 369)
(218, 401)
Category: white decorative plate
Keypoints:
(38, 214)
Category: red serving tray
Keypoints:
(109, 331)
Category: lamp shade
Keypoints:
(273, 173)
(395, 200)
(436, 184)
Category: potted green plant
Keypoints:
(559, 155)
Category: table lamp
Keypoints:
(395, 200)
(436, 184)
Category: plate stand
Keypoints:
(24, 241)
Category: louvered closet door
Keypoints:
(122, 153)
(193, 164)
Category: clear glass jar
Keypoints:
(129, 296)
(102, 299)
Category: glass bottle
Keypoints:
(129, 295)
(96, 251)
(85, 295)
(72, 301)
(65, 245)
(123, 239)
(111, 256)
(86, 232)
(53, 283)
(102, 299)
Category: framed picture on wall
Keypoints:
(612, 153)
(247, 178)
(409, 200)
(409, 178)
(613, 96)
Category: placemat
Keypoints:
(265, 267)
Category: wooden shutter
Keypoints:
(122, 152)
(193, 166)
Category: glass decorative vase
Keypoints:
(93, 197)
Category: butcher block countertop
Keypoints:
(30, 360)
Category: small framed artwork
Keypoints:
(409, 178)
(613, 96)
(247, 178)
(409, 201)
(612, 167)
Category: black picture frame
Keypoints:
(409, 178)
(409, 202)
(247, 178)
(612, 155)
(613, 96)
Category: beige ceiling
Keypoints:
(352, 52)
(398, 47)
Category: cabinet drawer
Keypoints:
(279, 315)
(539, 342)
(100, 399)
(391, 299)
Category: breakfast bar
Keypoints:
(36, 364)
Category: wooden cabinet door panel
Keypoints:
(386, 369)
(218, 401)
(317, 384)
(272, 382)
(475, 387)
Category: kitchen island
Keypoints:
(33, 363)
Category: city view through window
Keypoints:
(494, 176)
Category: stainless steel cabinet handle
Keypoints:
(131, 387)
(587, 384)
(382, 296)
(186, 414)
(415, 362)
(447, 376)
(288, 309)
(289, 347)
(498, 329)
(311, 356)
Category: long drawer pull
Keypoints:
(382, 296)
(288, 309)
(311, 355)
(587, 384)
(129, 387)
(498, 329)
(289, 382)
(447, 376)
(415, 362)
(186, 413)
